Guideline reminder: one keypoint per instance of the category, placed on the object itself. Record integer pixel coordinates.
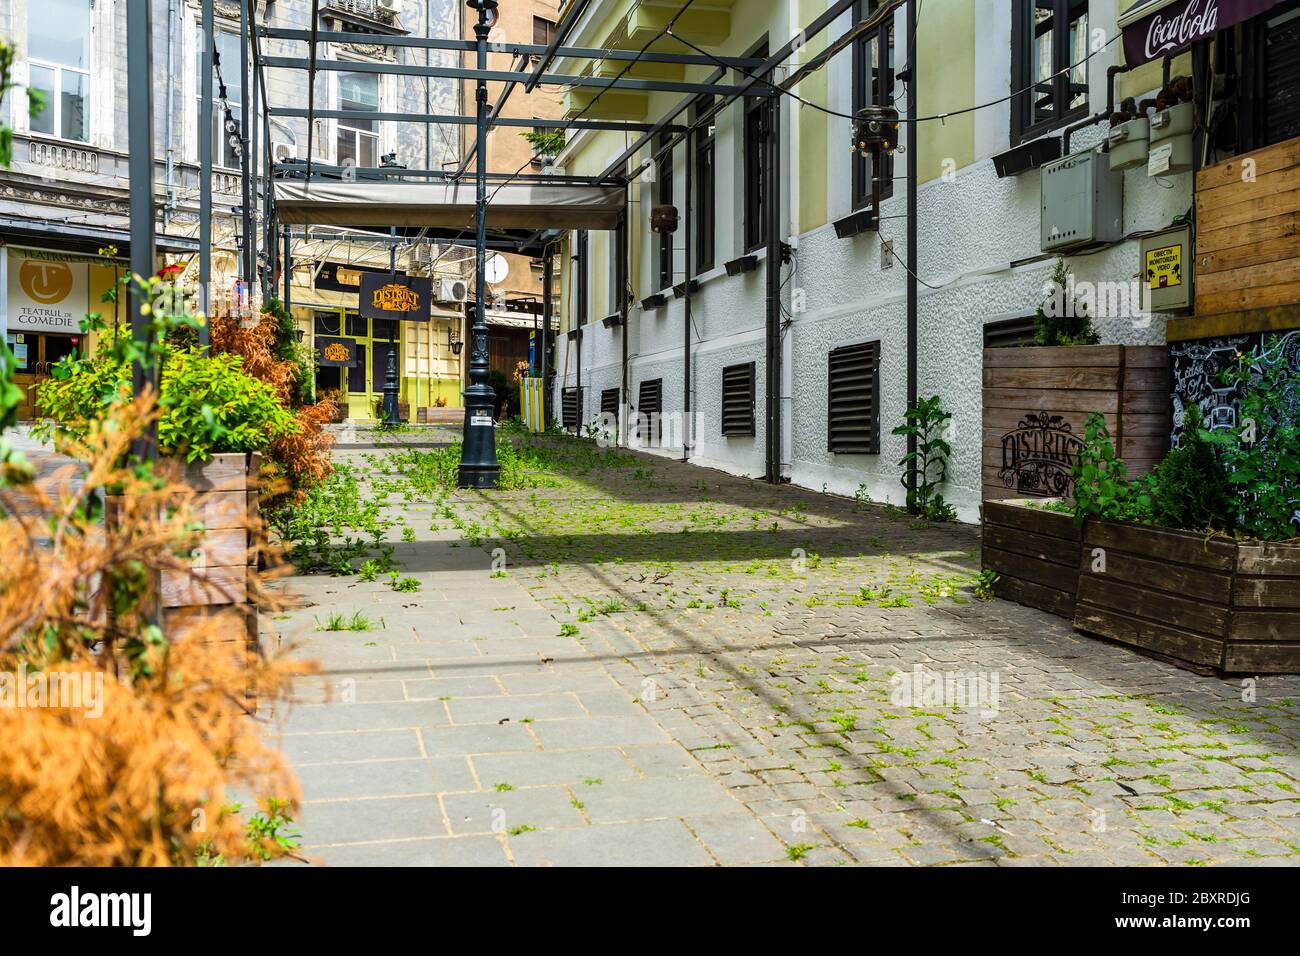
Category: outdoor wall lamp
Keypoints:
(454, 343)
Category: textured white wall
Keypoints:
(978, 245)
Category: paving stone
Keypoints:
(385, 778)
(649, 843)
(497, 812)
(355, 746)
(554, 767)
(437, 851)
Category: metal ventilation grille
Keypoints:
(738, 399)
(570, 403)
(609, 401)
(853, 399)
(650, 405)
(1010, 333)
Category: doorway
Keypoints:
(36, 353)
(362, 384)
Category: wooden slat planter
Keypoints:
(1037, 399)
(226, 502)
(1035, 553)
(1211, 604)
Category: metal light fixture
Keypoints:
(453, 343)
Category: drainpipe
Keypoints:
(773, 275)
(686, 344)
(626, 307)
(912, 264)
(1111, 73)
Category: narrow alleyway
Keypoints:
(626, 660)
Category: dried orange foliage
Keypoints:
(145, 777)
(301, 459)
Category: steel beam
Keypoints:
(139, 81)
(514, 49)
(752, 88)
(455, 119)
(562, 29)
(205, 177)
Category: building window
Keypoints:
(543, 31)
(58, 59)
(705, 182)
(358, 140)
(664, 197)
(873, 85)
(1049, 47)
(227, 44)
(853, 400)
(758, 120)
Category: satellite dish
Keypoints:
(495, 269)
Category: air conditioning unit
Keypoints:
(282, 152)
(453, 290)
(1082, 202)
(419, 259)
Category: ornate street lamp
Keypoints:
(478, 463)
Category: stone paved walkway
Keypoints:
(677, 667)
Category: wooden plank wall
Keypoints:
(1035, 553)
(1265, 637)
(1129, 385)
(1248, 231)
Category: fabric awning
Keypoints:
(1156, 28)
(530, 206)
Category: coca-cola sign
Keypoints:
(1175, 26)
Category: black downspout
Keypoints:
(139, 65)
(245, 157)
(772, 182)
(626, 308)
(912, 288)
(686, 285)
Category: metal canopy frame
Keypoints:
(530, 66)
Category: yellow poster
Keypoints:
(1165, 266)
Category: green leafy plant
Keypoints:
(928, 465)
(338, 621)
(983, 585)
(1190, 487)
(1059, 319)
(547, 142)
(1101, 486)
(1262, 454)
(208, 404)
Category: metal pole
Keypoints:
(478, 465)
(391, 387)
(140, 79)
(686, 347)
(288, 272)
(548, 279)
(912, 289)
(247, 205)
(205, 178)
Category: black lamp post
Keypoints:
(478, 464)
(391, 386)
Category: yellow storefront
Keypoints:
(46, 295)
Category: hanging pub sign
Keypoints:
(1158, 28)
(395, 296)
(336, 352)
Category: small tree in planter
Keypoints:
(1059, 320)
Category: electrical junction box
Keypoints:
(1171, 141)
(1129, 143)
(1166, 259)
(1082, 202)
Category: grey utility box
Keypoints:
(1082, 202)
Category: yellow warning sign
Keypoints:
(1164, 267)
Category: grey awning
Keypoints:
(528, 206)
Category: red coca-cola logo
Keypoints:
(1197, 19)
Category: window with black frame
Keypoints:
(758, 118)
(1049, 69)
(664, 197)
(705, 183)
(873, 85)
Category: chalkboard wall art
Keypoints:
(1197, 365)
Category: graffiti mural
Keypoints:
(1197, 367)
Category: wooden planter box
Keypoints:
(1037, 399)
(226, 502)
(1213, 605)
(1035, 553)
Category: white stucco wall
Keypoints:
(978, 246)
